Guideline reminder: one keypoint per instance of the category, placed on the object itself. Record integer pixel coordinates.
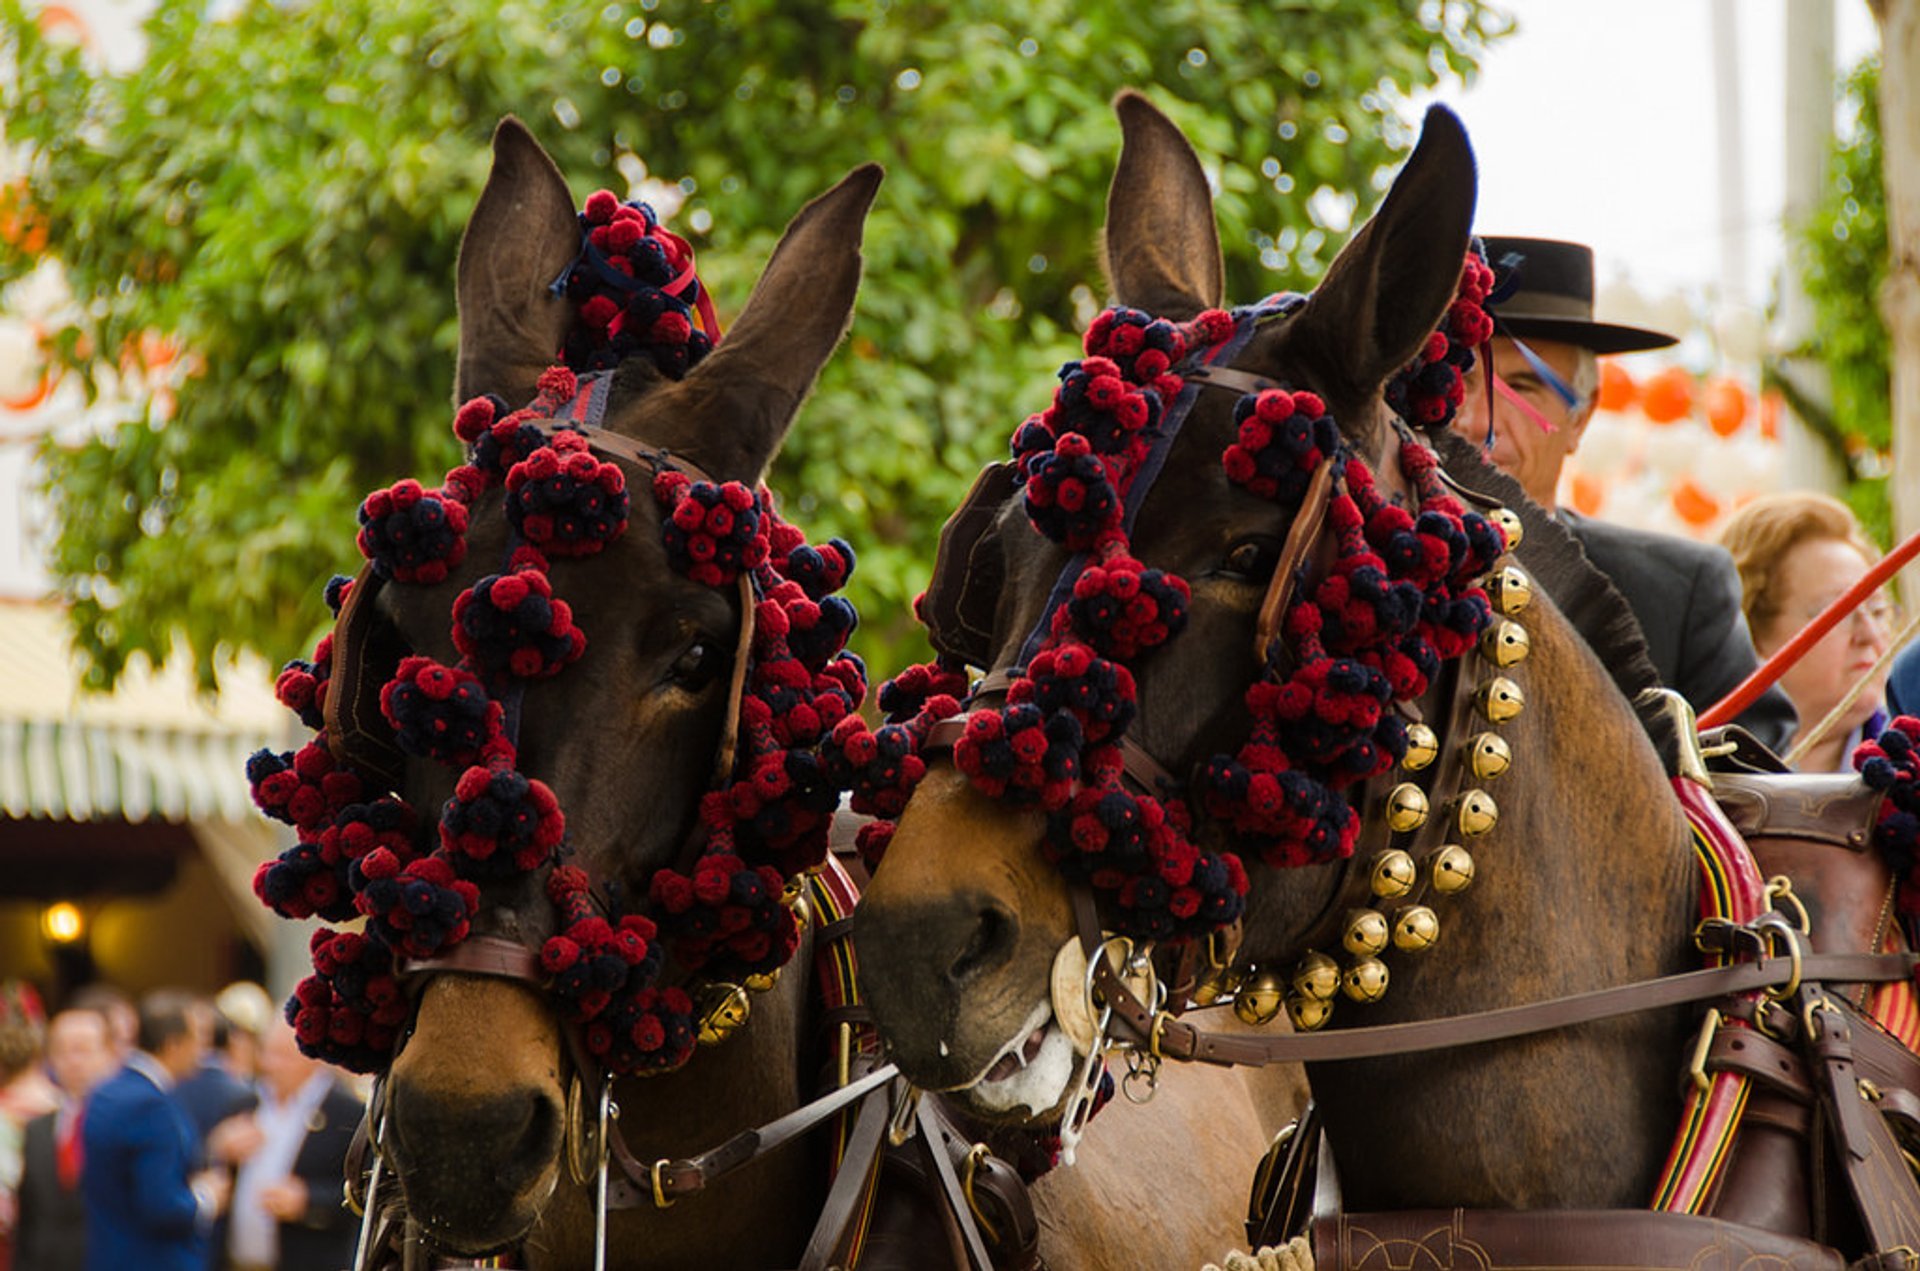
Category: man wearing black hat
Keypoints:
(1685, 594)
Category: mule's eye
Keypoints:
(697, 666)
(1251, 560)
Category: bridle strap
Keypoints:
(1304, 533)
(688, 1174)
(1171, 1038)
(495, 956)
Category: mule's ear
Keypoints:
(734, 409)
(1392, 282)
(1163, 247)
(522, 233)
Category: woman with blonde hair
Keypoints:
(1797, 553)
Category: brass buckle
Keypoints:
(1812, 1007)
(660, 1198)
(1772, 924)
(1697, 1069)
(977, 1154)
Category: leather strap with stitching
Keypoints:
(1177, 1039)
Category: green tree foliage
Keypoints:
(281, 190)
(1844, 266)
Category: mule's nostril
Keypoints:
(542, 1136)
(989, 946)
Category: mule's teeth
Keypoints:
(943, 1048)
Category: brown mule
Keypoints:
(476, 1100)
(627, 739)
(1586, 881)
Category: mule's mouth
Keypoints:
(1029, 1076)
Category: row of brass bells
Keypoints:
(1412, 928)
(1395, 873)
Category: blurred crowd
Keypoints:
(172, 1133)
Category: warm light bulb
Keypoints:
(62, 922)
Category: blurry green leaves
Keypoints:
(1843, 255)
(283, 192)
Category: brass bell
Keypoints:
(1478, 814)
(1452, 869)
(1308, 1013)
(1393, 874)
(1366, 932)
(1500, 699)
(1509, 522)
(1317, 976)
(1217, 985)
(1510, 590)
(1259, 1000)
(1415, 928)
(1365, 980)
(723, 1009)
(794, 897)
(1422, 748)
(761, 981)
(1488, 755)
(1505, 643)
(1406, 807)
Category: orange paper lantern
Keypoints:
(1587, 493)
(1694, 505)
(1617, 389)
(1727, 406)
(1770, 416)
(1668, 396)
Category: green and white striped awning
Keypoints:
(152, 749)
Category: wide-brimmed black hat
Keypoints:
(1552, 297)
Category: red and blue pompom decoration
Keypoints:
(1427, 392)
(440, 712)
(418, 908)
(728, 913)
(1122, 609)
(511, 624)
(352, 1008)
(411, 534)
(635, 291)
(1282, 437)
(500, 822)
(566, 502)
(303, 788)
(1022, 754)
(1891, 763)
(713, 532)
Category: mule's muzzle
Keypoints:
(476, 1171)
(934, 960)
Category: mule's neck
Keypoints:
(1586, 882)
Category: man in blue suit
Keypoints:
(145, 1206)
